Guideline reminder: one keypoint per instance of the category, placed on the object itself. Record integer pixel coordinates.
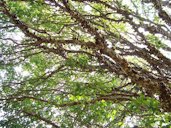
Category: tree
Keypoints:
(85, 63)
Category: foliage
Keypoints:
(85, 63)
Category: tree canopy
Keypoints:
(85, 63)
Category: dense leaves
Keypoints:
(85, 63)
